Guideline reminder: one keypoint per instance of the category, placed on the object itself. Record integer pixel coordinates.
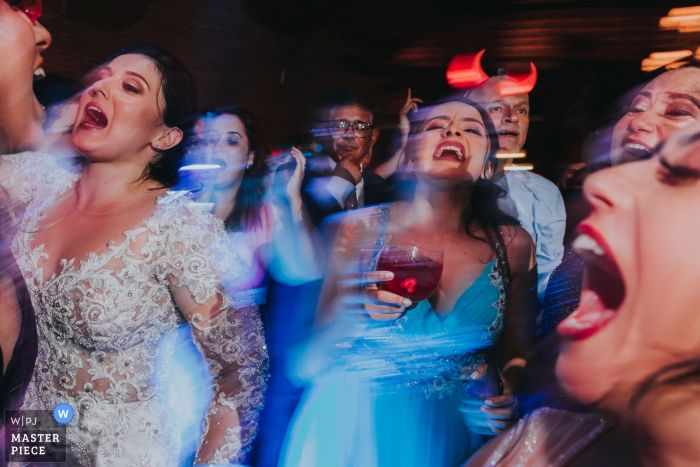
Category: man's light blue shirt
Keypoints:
(537, 204)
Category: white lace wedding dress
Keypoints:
(101, 318)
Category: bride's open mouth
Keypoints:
(603, 288)
(94, 117)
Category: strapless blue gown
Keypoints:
(390, 395)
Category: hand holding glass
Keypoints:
(416, 270)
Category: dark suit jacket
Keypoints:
(319, 202)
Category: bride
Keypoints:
(112, 263)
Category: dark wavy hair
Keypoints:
(249, 197)
(483, 213)
(180, 96)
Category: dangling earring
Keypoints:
(250, 161)
(248, 165)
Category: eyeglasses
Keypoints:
(31, 8)
(359, 129)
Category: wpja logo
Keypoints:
(36, 435)
(63, 413)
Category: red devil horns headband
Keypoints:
(464, 71)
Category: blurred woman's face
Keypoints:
(119, 116)
(639, 306)
(224, 143)
(667, 104)
(453, 145)
(21, 44)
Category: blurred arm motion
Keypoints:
(229, 335)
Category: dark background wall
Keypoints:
(234, 59)
(277, 57)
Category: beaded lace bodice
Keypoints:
(101, 318)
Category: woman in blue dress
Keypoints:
(388, 379)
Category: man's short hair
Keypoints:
(346, 98)
(492, 81)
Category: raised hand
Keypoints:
(295, 182)
(410, 105)
(352, 167)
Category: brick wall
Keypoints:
(234, 60)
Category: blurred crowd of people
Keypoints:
(198, 298)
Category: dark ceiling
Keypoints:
(588, 53)
(390, 35)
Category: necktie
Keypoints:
(351, 201)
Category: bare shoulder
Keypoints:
(520, 248)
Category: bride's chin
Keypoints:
(86, 145)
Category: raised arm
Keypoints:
(295, 254)
(388, 168)
(203, 272)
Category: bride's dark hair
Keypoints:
(180, 96)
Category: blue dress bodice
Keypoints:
(392, 393)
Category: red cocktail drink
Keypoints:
(416, 275)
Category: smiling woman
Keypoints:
(632, 347)
(115, 264)
(668, 103)
(402, 369)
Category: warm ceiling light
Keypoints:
(682, 19)
(659, 59)
(518, 167)
(510, 155)
(674, 65)
(186, 168)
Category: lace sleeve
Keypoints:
(26, 175)
(203, 269)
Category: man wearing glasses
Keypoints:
(530, 198)
(336, 178)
